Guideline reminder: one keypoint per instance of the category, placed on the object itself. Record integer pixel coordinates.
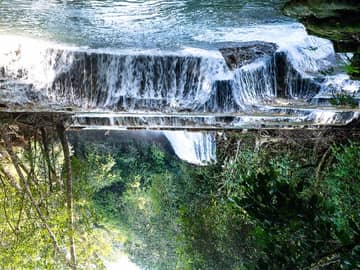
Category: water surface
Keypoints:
(135, 23)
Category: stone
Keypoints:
(2, 72)
(337, 20)
(243, 53)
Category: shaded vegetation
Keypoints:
(354, 68)
(337, 20)
(344, 99)
(274, 200)
(43, 223)
(266, 205)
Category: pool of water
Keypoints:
(124, 24)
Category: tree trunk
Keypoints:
(69, 190)
(29, 194)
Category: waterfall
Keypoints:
(116, 80)
(187, 80)
(299, 60)
(194, 147)
(184, 81)
(254, 83)
(196, 84)
(129, 82)
(305, 61)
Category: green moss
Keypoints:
(353, 71)
(354, 68)
(337, 20)
(318, 8)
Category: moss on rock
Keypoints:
(337, 20)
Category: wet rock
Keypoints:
(2, 72)
(222, 98)
(239, 54)
(337, 20)
(290, 83)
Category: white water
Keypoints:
(307, 54)
(254, 83)
(170, 81)
(186, 79)
(122, 263)
(336, 84)
(194, 147)
(32, 61)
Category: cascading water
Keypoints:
(187, 80)
(129, 82)
(169, 82)
(119, 81)
(194, 147)
(254, 83)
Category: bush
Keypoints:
(344, 99)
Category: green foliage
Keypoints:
(273, 206)
(342, 190)
(95, 172)
(352, 70)
(217, 235)
(135, 205)
(158, 158)
(344, 99)
(266, 208)
(276, 196)
(25, 242)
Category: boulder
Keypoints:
(243, 53)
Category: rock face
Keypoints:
(288, 80)
(244, 53)
(337, 20)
